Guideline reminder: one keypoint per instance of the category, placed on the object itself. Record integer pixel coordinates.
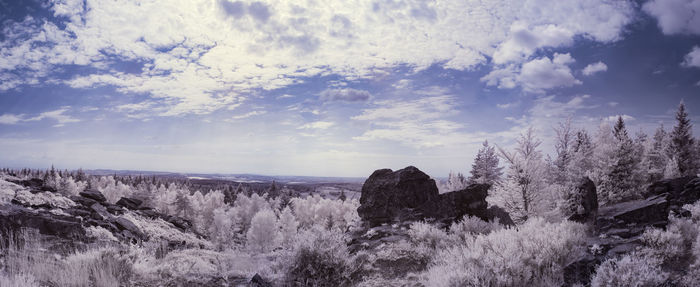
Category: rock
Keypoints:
(646, 212)
(584, 202)
(456, 204)
(581, 270)
(94, 195)
(100, 212)
(125, 224)
(258, 281)
(411, 195)
(15, 217)
(35, 185)
(672, 187)
(84, 201)
(496, 212)
(179, 222)
(385, 193)
(129, 203)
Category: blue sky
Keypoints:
(329, 88)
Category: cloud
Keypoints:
(524, 41)
(417, 123)
(346, 95)
(57, 115)
(508, 105)
(614, 118)
(318, 125)
(594, 68)
(249, 114)
(535, 76)
(692, 59)
(675, 16)
(195, 66)
(10, 119)
(285, 96)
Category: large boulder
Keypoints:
(94, 195)
(35, 185)
(386, 193)
(630, 218)
(129, 203)
(495, 212)
(583, 202)
(411, 195)
(13, 218)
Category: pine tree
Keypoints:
(456, 181)
(485, 168)
(683, 144)
(582, 151)
(563, 148)
(656, 157)
(621, 177)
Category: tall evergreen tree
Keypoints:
(485, 168)
(682, 143)
(563, 149)
(656, 157)
(622, 178)
(581, 155)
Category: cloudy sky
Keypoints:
(329, 88)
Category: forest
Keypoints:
(148, 231)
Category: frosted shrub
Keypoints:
(263, 234)
(18, 280)
(320, 258)
(223, 226)
(471, 226)
(246, 207)
(112, 190)
(426, 234)
(629, 270)
(532, 255)
(315, 210)
(666, 245)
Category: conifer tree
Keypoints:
(682, 143)
(485, 168)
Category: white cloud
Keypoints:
(416, 123)
(613, 104)
(594, 68)
(249, 114)
(692, 59)
(199, 55)
(10, 119)
(614, 118)
(285, 96)
(675, 16)
(508, 105)
(56, 115)
(346, 95)
(318, 125)
(523, 41)
(535, 76)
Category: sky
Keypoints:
(330, 88)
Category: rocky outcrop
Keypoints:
(14, 218)
(410, 195)
(94, 195)
(495, 212)
(583, 202)
(129, 203)
(35, 185)
(386, 194)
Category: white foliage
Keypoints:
(630, 270)
(263, 234)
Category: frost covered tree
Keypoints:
(455, 181)
(682, 143)
(563, 148)
(263, 234)
(288, 226)
(582, 151)
(621, 181)
(485, 168)
(521, 190)
(657, 156)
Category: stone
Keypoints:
(258, 281)
(456, 204)
(645, 212)
(583, 202)
(35, 185)
(94, 195)
(495, 212)
(100, 212)
(179, 222)
(129, 203)
(125, 224)
(15, 217)
(385, 193)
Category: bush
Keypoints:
(666, 245)
(426, 234)
(630, 270)
(533, 255)
(471, 226)
(320, 258)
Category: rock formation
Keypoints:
(411, 195)
(583, 202)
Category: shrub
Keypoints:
(533, 255)
(471, 226)
(426, 234)
(665, 245)
(630, 270)
(320, 258)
